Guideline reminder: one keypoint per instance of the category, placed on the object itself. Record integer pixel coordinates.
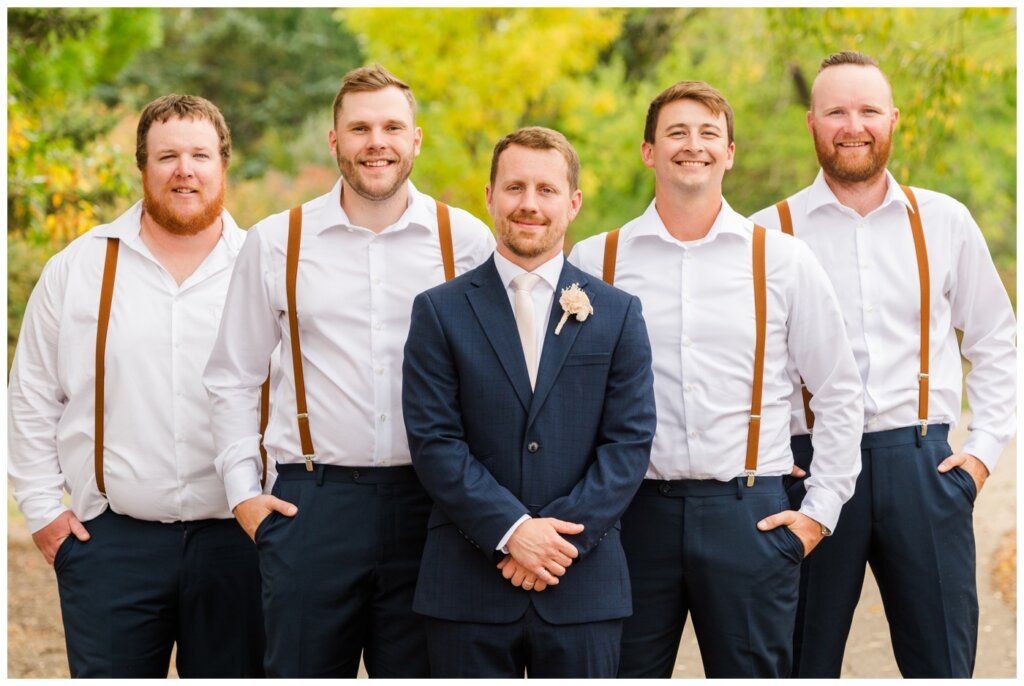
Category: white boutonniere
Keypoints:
(575, 302)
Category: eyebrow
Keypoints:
(704, 125)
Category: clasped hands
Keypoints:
(538, 554)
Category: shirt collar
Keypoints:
(650, 224)
(550, 271)
(820, 195)
(421, 212)
(128, 227)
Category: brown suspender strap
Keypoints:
(106, 296)
(264, 419)
(761, 322)
(786, 224)
(444, 236)
(785, 218)
(291, 271)
(922, 271)
(611, 249)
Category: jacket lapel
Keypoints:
(491, 306)
(556, 348)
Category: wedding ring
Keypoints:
(527, 585)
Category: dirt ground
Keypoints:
(35, 640)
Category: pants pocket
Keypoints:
(60, 560)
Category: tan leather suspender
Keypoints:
(444, 236)
(106, 296)
(922, 272)
(291, 272)
(761, 323)
(611, 249)
(102, 323)
(786, 220)
(264, 420)
(921, 250)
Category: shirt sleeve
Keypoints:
(821, 352)
(36, 402)
(237, 368)
(982, 310)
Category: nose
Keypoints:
(184, 166)
(528, 200)
(693, 142)
(375, 140)
(855, 123)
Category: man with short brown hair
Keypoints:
(341, 532)
(733, 308)
(884, 246)
(107, 402)
(530, 423)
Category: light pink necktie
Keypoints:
(526, 321)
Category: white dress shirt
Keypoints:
(354, 299)
(871, 260)
(158, 447)
(698, 300)
(543, 295)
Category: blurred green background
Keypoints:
(77, 79)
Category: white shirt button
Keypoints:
(687, 342)
(693, 434)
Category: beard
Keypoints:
(181, 223)
(529, 246)
(351, 171)
(853, 171)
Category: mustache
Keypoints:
(528, 217)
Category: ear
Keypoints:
(731, 156)
(647, 153)
(895, 116)
(810, 121)
(417, 141)
(487, 199)
(332, 141)
(575, 203)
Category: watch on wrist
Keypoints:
(825, 531)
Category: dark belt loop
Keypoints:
(918, 434)
(740, 481)
(320, 469)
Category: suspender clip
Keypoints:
(303, 415)
(755, 417)
(750, 478)
(924, 427)
(309, 462)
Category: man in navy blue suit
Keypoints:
(529, 404)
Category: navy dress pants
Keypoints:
(529, 645)
(693, 548)
(915, 527)
(136, 588)
(338, 578)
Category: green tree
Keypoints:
(268, 70)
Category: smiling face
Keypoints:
(531, 204)
(691, 150)
(852, 120)
(183, 179)
(375, 140)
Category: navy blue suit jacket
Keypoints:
(489, 450)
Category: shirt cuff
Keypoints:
(985, 447)
(503, 543)
(39, 514)
(241, 482)
(823, 506)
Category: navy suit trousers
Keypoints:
(338, 578)
(693, 547)
(915, 527)
(136, 588)
(542, 650)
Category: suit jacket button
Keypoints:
(533, 447)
